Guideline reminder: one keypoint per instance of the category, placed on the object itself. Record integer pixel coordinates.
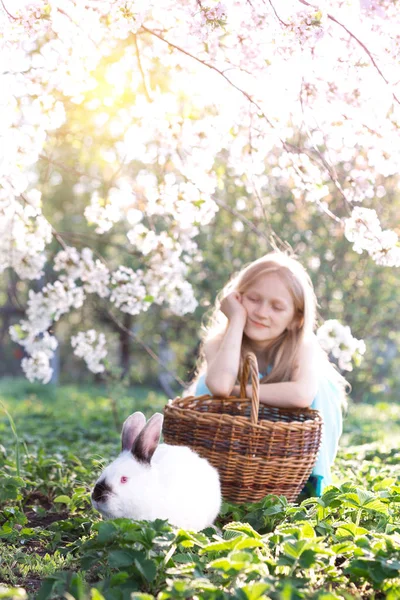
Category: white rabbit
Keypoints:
(150, 481)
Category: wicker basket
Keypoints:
(258, 450)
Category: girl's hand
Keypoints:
(233, 308)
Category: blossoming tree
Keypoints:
(291, 94)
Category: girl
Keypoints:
(269, 308)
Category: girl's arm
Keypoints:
(223, 353)
(298, 393)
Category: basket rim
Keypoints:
(240, 420)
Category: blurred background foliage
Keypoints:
(349, 287)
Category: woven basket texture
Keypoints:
(257, 449)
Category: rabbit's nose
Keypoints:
(101, 490)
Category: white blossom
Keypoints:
(68, 260)
(364, 230)
(37, 367)
(43, 309)
(102, 213)
(143, 239)
(94, 274)
(54, 300)
(337, 339)
(43, 342)
(165, 281)
(105, 212)
(91, 346)
(128, 292)
(24, 234)
(181, 300)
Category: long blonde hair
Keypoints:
(281, 354)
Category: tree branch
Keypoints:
(81, 237)
(213, 68)
(355, 38)
(149, 351)
(69, 169)
(330, 169)
(53, 231)
(146, 91)
(277, 16)
(246, 221)
(7, 13)
(286, 145)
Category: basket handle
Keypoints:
(250, 365)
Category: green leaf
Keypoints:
(351, 530)
(307, 558)
(384, 484)
(46, 589)
(243, 543)
(183, 558)
(221, 546)
(147, 568)
(252, 591)
(230, 535)
(118, 579)
(374, 571)
(10, 487)
(6, 530)
(241, 556)
(276, 508)
(308, 531)
(12, 593)
(107, 532)
(344, 548)
(95, 595)
(294, 549)
(365, 500)
(189, 539)
(63, 499)
(227, 566)
(330, 497)
(184, 569)
(28, 532)
(236, 543)
(77, 587)
(121, 558)
(243, 528)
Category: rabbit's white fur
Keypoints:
(163, 481)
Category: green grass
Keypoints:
(54, 443)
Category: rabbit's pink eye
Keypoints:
(124, 479)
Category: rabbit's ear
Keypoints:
(147, 441)
(131, 429)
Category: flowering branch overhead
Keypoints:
(292, 100)
(357, 39)
(277, 16)
(210, 66)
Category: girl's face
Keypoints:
(270, 309)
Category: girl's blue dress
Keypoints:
(327, 402)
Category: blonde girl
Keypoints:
(269, 308)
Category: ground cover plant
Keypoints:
(54, 442)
